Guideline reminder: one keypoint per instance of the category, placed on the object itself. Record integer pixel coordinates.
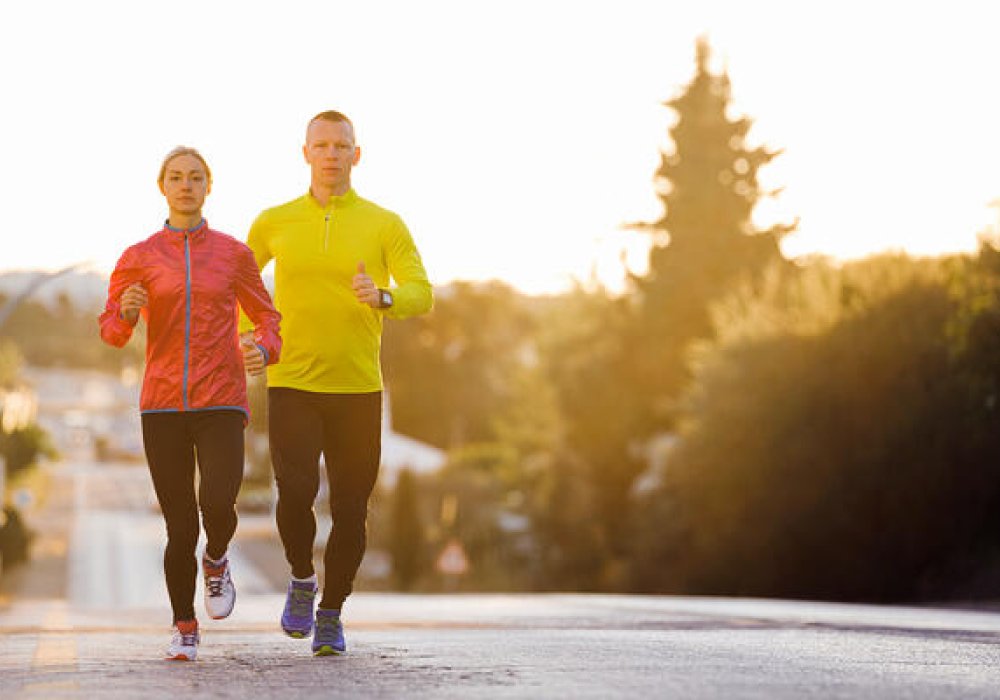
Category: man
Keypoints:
(334, 254)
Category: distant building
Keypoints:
(400, 452)
(79, 408)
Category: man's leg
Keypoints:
(352, 432)
(295, 436)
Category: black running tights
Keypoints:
(346, 429)
(174, 443)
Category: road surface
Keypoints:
(98, 631)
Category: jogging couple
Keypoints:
(319, 341)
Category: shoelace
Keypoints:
(186, 640)
(302, 602)
(327, 627)
(215, 584)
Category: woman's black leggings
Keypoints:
(174, 442)
(347, 430)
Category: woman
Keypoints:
(188, 281)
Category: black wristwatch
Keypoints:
(384, 299)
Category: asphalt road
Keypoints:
(74, 639)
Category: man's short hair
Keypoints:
(332, 116)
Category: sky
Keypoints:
(515, 138)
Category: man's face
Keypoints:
(185, 184)
(331, 153)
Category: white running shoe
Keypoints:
(220, 593)
(184, 645)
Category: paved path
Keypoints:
(468, 646)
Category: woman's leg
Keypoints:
(218, 437)
(170, 454)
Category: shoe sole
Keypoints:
(326, 650)
(178, 657)
(228, 612)
(295, 634)
(223, 617)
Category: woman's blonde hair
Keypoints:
(183, 151)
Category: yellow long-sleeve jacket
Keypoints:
(332, 341)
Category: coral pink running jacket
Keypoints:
(194, 280)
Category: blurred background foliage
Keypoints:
(64, 334)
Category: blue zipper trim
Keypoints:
(187, 318)
(196, 410)
(166, 225)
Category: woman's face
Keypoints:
(185, 184)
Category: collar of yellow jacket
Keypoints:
(336, 201)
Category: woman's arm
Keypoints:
(118, 320)
(257, 304)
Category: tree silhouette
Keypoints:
(706, 240)
(406, 545)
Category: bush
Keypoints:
(840, 444)
(24, 446)
(15, 539)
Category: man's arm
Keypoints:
(413, 294)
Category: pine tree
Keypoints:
(705, 242)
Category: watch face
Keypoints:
(386, 298)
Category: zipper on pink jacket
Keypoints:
(187, 317)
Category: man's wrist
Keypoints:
(385, 300)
